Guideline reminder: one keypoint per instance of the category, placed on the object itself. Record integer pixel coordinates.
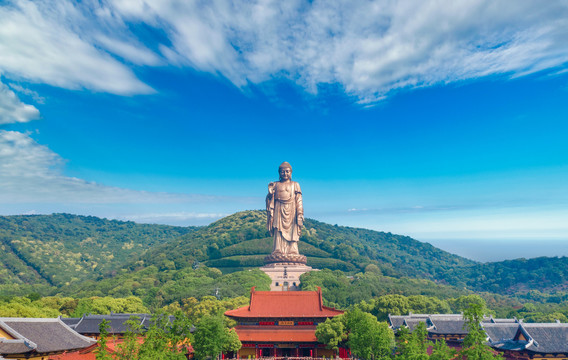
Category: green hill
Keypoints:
(547, 274)
(86, 256)
(240, 241)
(62, 249)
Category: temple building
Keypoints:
(282, 323)
(38, 339)
(449, 327)
(117, 327)
(528, 340)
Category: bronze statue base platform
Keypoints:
(279, 259)
(285, 277)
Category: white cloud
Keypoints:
(32, 173)
(12, 110)
(131, 52)
(371, 48)
(32, 180)
(33, 94)
(53, 42)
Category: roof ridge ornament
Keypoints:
(252, 290)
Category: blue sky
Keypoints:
(440, 120)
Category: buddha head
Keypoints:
(285, 171)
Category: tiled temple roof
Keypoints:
(284, 304)
(89, 324)
(542, 338)
(441, 324)
(40, 336)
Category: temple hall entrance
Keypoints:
(266, 352)
(286, 352)
(305, 352)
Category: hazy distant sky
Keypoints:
(436, 119)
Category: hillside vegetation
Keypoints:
(160, 288)
(87, 256)
(241, 241)
(549, 274)
(62, 249)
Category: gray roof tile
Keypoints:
(396, 321)
(543, 338)
(412, 323)
(50, 335)
(499, 332)
(71, 322)
(18, 346)
(89, 324)
(548, 337)
(448, 326)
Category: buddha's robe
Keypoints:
(285, 210)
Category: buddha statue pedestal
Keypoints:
(285, 275)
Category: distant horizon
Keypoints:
(494, 250)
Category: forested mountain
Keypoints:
(241, 241)
(513, 276)
(63, 249)
(87, 256)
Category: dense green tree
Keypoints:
(441, 351)
(342, 291)
(130, 347)
(65, 305)
(332, 332)
(231, 342)
(420, 304)
(106, 305)
(368, 338)
(345, 252)
(210, 337)
(474, 347)
(373, 269)
(165, 340)
(210, 305)
(465, 302)
(390, 304)
(24, 307)
(413, 345)
(101, 352)
(550, 318)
